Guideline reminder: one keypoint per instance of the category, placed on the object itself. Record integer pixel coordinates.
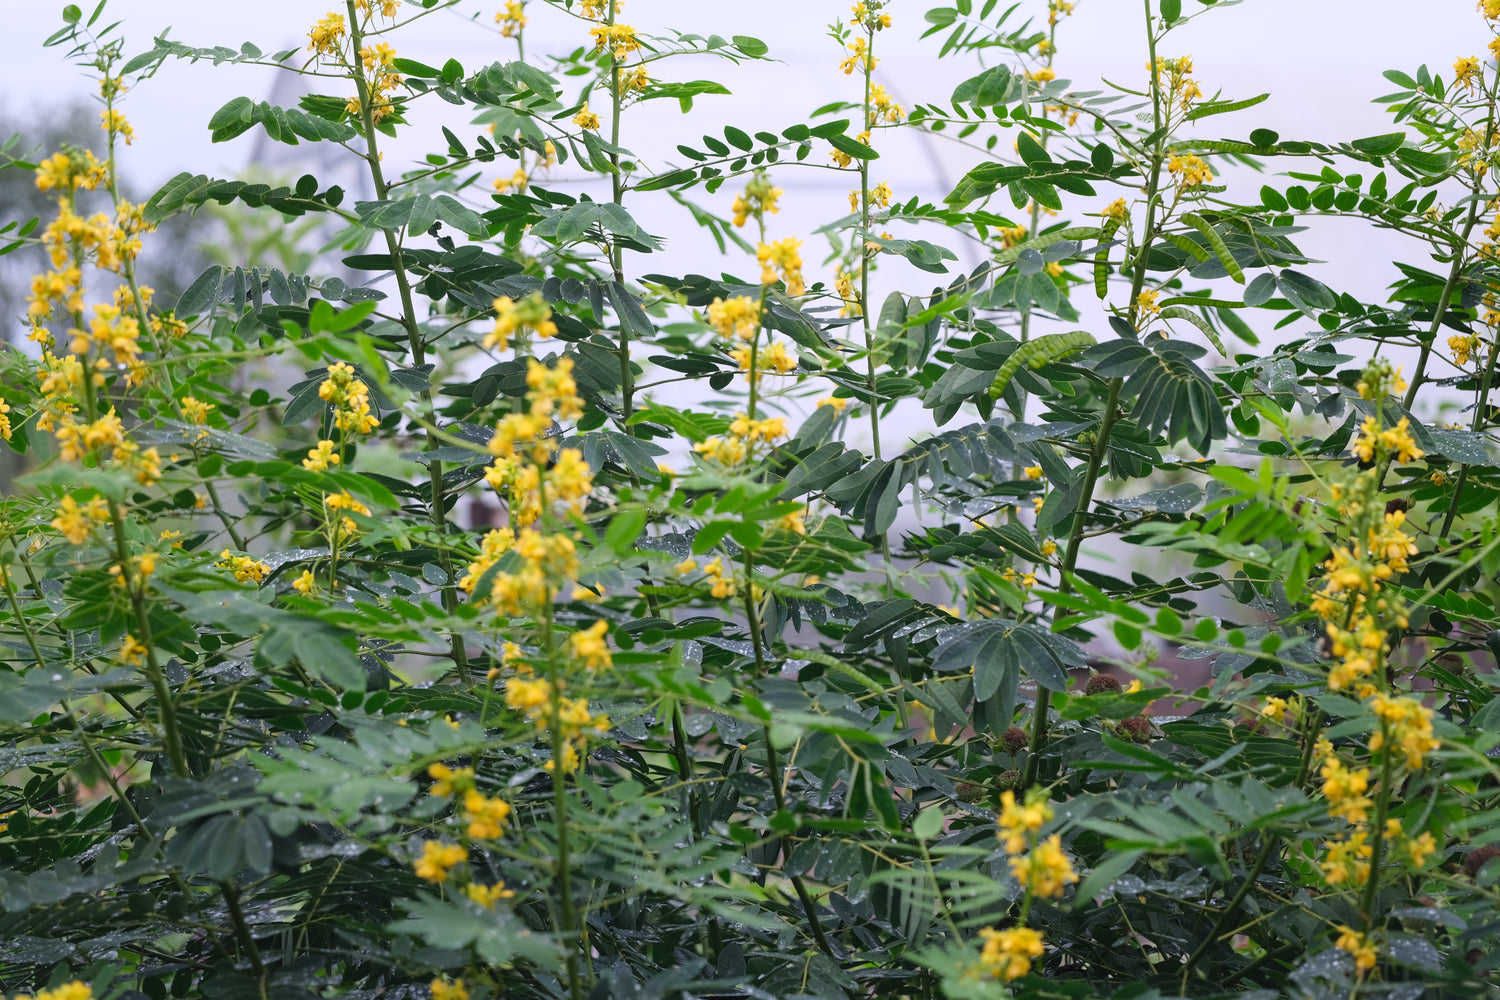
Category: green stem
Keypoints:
(413, 335)
(773, 767)
(1377, 831)
(1480, 406)
(571, 928)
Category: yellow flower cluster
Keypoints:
(442, 989)
(758, 198)
(382, 80)
(618, 38)
(733, 447)
(1358, 945)
(884, 106)
(586, 119)
(843, 283)
(1348, 860)
(1464, 347)
(387, 7)
(782, 259)
(738, 317)
(1046, 870)
(1407, 724)
(75, 522)
(343, 501)
(1190, 170)
(553, 394)
(859, 58)
(1395, 442)
(868, 15)
(1007, 954)
(320, 458)
(1116, 210)
(325, 35)
(70, 170)
(1467, 72)
(1344, 788)
(534, 698)
(512, 19)
(880, 196)
(438, 859)
(5, 429)
(511, 317)
(74, 990)
(246, 569)
(771, 357)
(589, 648)
(112, 120)
(545, 562)
(1172, 77)
(350, 398)
(1058, 8)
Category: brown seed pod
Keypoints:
(1100, 683)
(1014, 740)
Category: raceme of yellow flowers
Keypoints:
(374, 63)
(1041, 867)
(1357, 611)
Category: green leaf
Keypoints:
(752, 47)
(323, 649)
(1380, 145)
(853, 147)
(1171, 10)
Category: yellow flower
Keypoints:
(1146, 303)
(1019, 821)
(1046, 871)
(133, 652)
(487, 895)
(1007, 954)
(736, 317)
(486, 816)
(246, 569)
(437, 859)
(1049, 547)
(195, 411)
(837, 402)
(1348, 860)
(1033, 472)
(446, 779)
(305, 583)
(586, 119)
(619, 38)
(1192, 170)
(1463, 347)
(76, 522)
(1466, 72)
(326, 33)
(444, 990)
(589, 646)
(1116, 210)
(512, 19)
(1419, 848)
(722, 579)
(784, 257)
(1358, 945)
(74, 990)
(1344, 788)
(320, 458)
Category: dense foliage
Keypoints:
(546, 637)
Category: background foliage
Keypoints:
(503, 617)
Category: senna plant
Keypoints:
(486, 613)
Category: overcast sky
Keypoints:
(1320, 59)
